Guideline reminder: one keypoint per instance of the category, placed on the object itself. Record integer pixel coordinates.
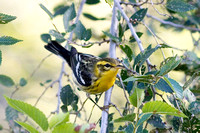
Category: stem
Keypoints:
(77, 18)
(173, 24)
(112, 53)
(60, 86)
(63, 63)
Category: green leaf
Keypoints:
(177, 88)
(137, 97)
(138, 16)
(6, 81)
(103, 54)
(67, 96)
(87, 15)
(7, 40)
(144, 118)
(163, 85)
(114, 38)
(179, 6)
(58, 119)
(56, 34)
(189, 96)
(64, 128)
(132, 39)
(87, 34)
(194, 107)
(91, 2)
(45, 37)
(60, 10)
(156, 121)
(0, 57)
(22, 82)
(47, 11)
(28, 127)
(142, 78)
(143, 56)
(48, 81)
(126, 118)
(159, 107)
(132, 1)
(168, 65)
(11, 114)
(4, 18)
(81, 32)
(188, 82)
(127, 50)
(121, 30)
(29, 110)
(68, 16)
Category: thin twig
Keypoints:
(60, 86)
(151, 32)
(82, 107)
(126, 67)
(88, 43)
(133, 4)
(91, 113)
(157, 9)
(39, 65)
(172, 24)
(177, 106)
(155, 37)
(46, 88)
(121, 82)
(158, 3)
(16, 89)
(116, 108)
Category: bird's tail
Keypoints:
(57, 49)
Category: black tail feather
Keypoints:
(57, 49)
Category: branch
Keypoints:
(133, 4)
(77, 18)
(112, 53)
(63, 63)
(132, 30)
(172, 24)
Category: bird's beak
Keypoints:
(120, 67)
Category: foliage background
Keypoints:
(21, 59)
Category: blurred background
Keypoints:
(21, 59)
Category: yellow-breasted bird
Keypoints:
(91, 74)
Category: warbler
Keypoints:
(91, 74)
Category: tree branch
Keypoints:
(172, 24)
(63, 63)
(132, 30)
(77, 19)
(112, 54)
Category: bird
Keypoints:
(92, 74)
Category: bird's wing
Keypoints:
(83, 66)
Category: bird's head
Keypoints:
(107, 66)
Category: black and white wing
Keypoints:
(82, 66)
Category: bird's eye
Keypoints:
(107, 65)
